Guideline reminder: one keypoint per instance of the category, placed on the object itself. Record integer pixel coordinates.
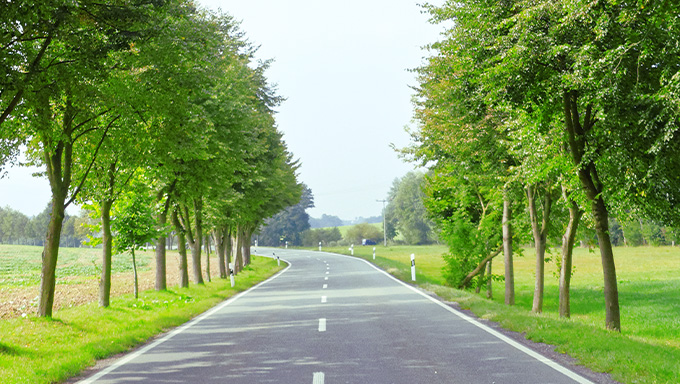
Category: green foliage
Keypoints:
(325, 236)
(406, 212)
(356, 233)
(290, 224)
(133, 221)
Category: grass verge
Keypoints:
(648, 349)
(37, 350)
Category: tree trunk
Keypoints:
(107, 240)
(134, 271)
(228, 247)
(58, 159)
(489, 287)
(218, 237)
(161, 243)
(590, 181)
(540, 237)
(182, 249)
(507, 252)
(236, 246)
(194, 239)
(479, 269)
(207, 258)
(567, 251)
(480, 281)
(50, 254)
(247, 238)
(611, 293)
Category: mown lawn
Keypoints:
(646, 351)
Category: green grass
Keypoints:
(37, 350)
(397, 260)
(646, 351)
(343, 229)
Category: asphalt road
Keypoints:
(333, 319)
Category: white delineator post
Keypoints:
(286, 245)
(413, 267)
(278, 261)
(231, 274)
(319, 246)
(373, 253)
(351, 249)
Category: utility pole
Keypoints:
(384, 221)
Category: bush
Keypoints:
(363, 231)
(312, 237)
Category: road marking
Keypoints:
(325, 278)
(179, 330)
(318, 378)
(325, 286)
(322, 325)
(552, 364)
(323, 299)
(327, 272)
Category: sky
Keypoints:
(343, 68)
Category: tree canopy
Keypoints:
(157, 91)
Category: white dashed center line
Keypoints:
(323, 299)
(322, 325)
(325, 286)
(318, 378)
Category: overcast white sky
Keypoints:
(342, 65)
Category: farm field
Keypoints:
(43, 350)
(78, 273)
(647, 350)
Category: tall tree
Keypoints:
(407, 208)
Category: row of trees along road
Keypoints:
(143, 99)
(566, 109)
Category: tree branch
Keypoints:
(479, 268)
(94, 157)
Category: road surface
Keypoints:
(333, 319)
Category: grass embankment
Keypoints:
(646, 351)
(37, 350)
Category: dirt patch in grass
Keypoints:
(78, 290)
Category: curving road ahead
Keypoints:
(333, 319)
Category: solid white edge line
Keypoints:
(180, 329)
(552, 364)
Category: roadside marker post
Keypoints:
(278, 260)
(231, 274)
(351, 249)
(286, 245)
(373, 253)
(319, 246)
(413, 267)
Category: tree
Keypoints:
(312, 237)
(356, 233)
(134, 223)
(407, 209)
(65, 118)
(325, 221)
(288, 225)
